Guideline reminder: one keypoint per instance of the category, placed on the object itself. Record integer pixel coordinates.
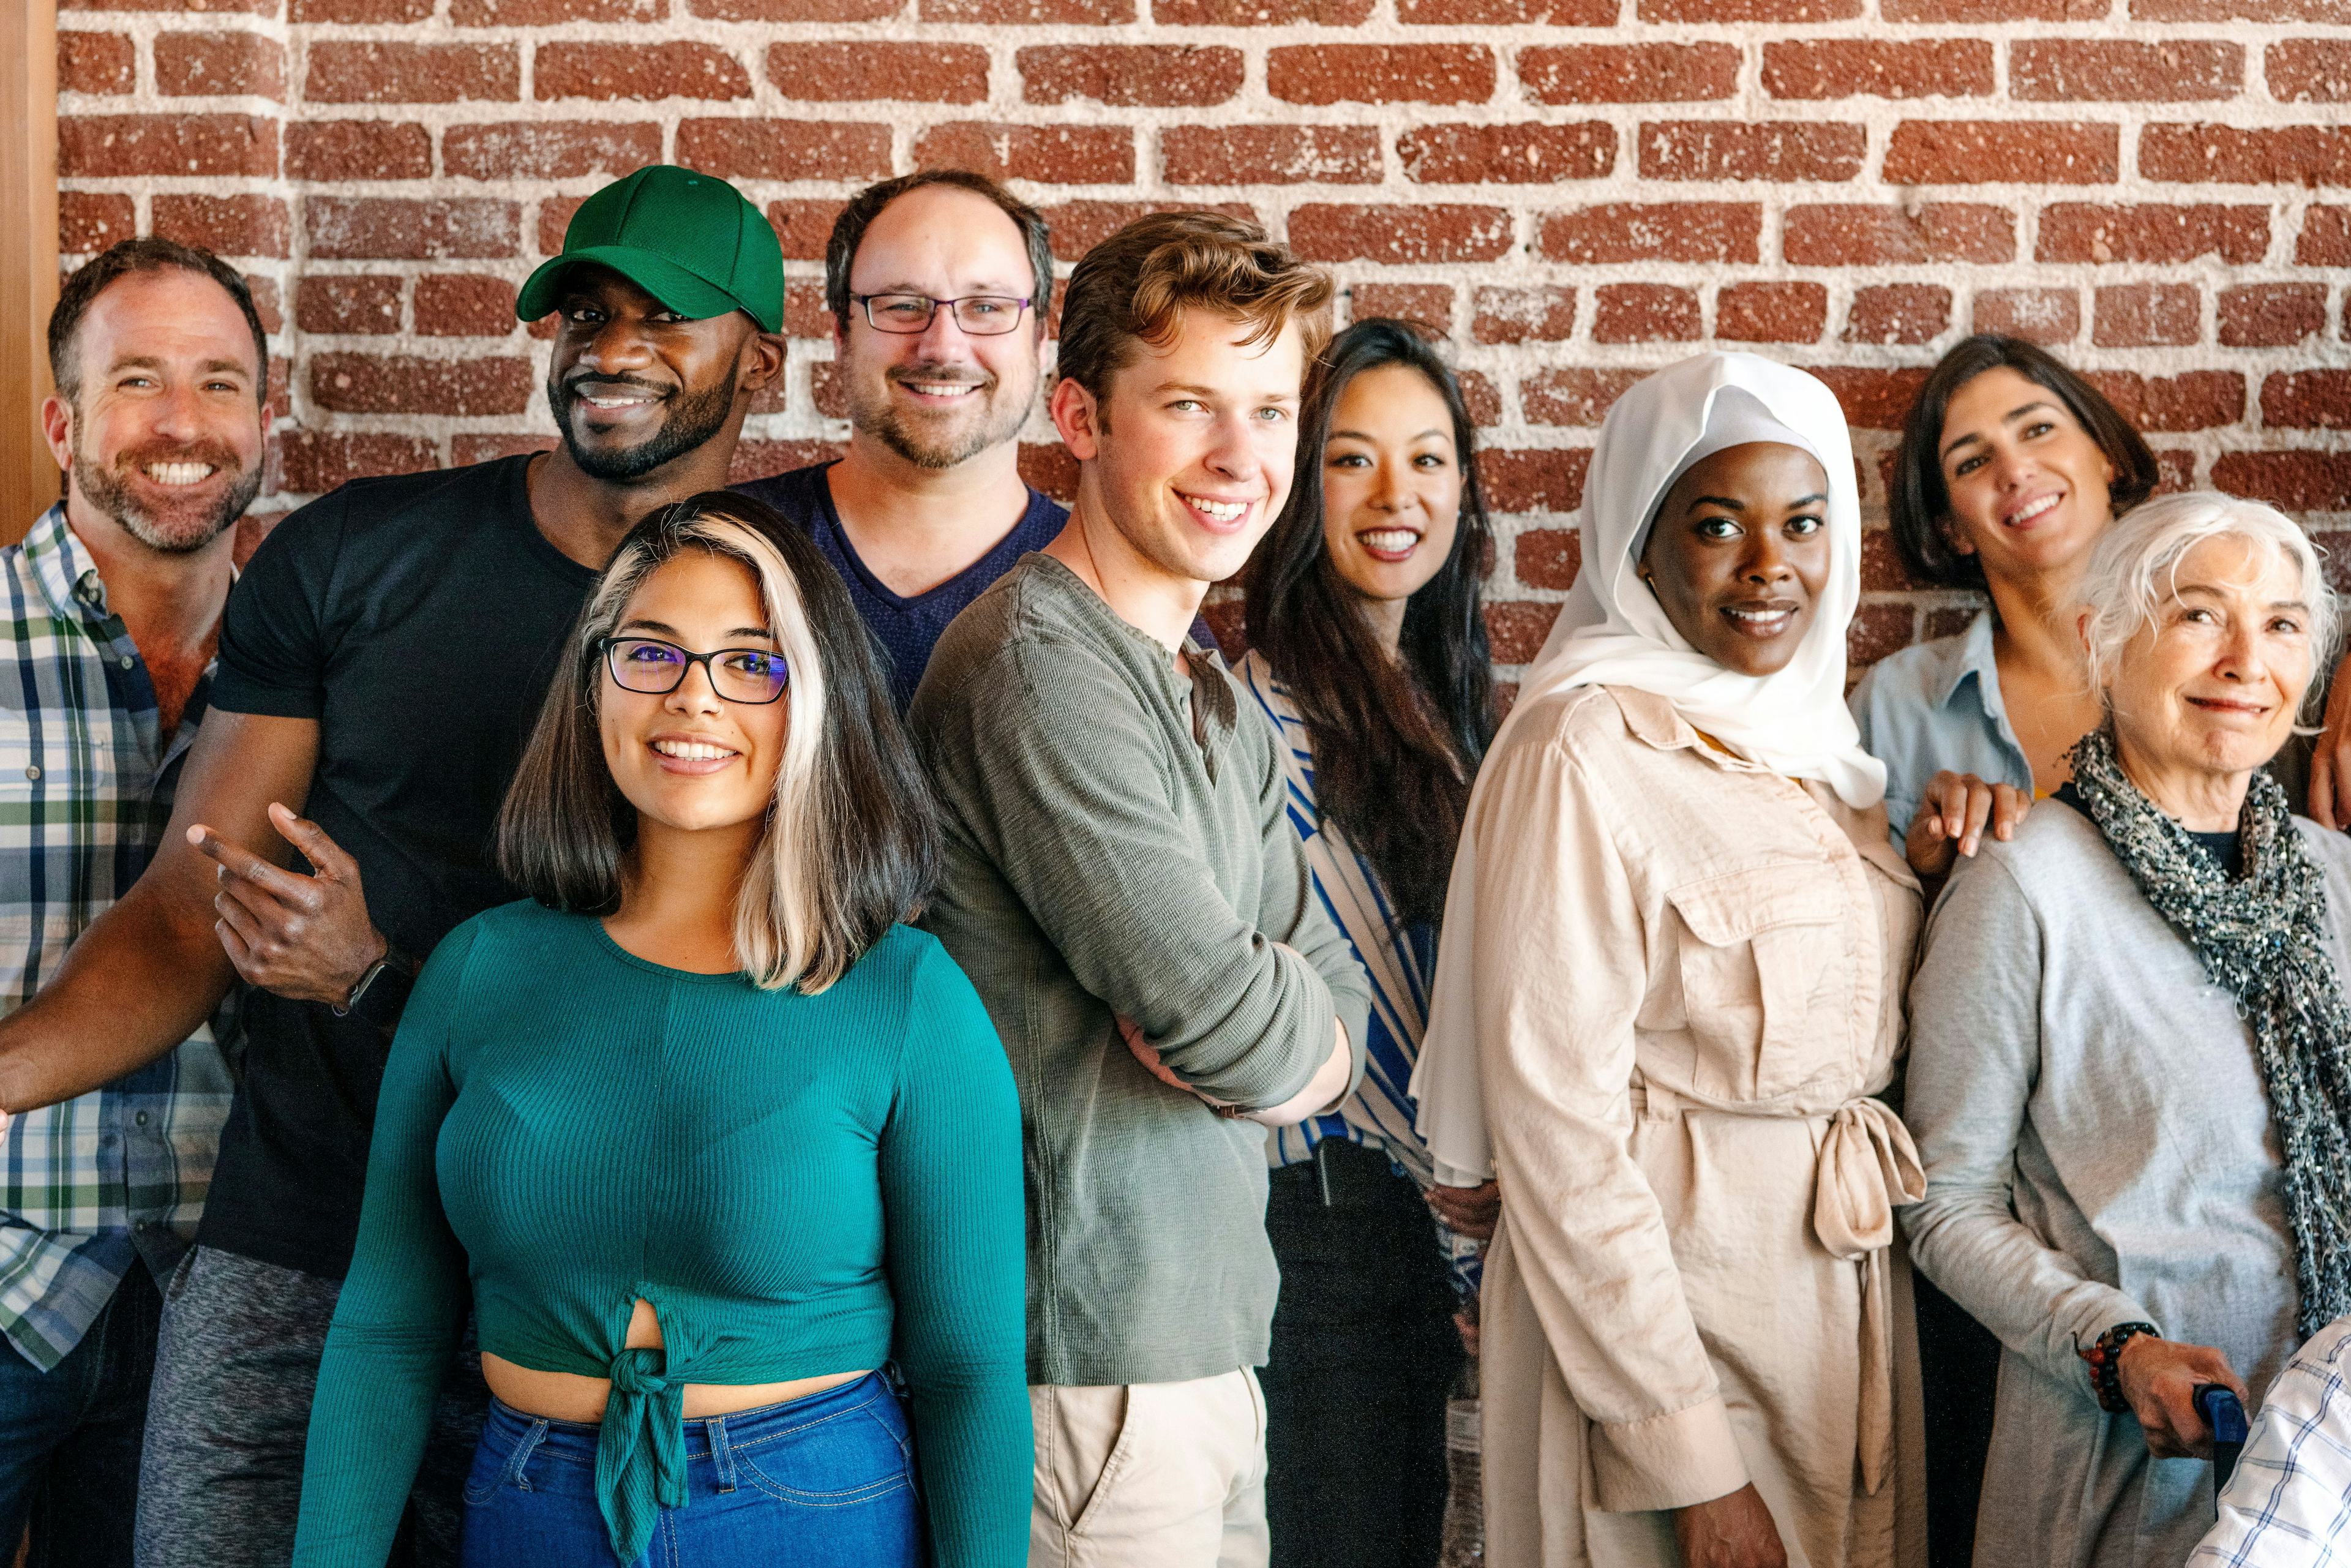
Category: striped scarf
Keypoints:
(2267, 939)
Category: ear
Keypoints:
(1078, 417)
(761, 363)
(2082, 630)
(57, 429)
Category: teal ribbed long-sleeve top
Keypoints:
(799, 1185)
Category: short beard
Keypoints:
(913, 440)
(695, 419)
(169, 533)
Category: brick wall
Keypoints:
(1575, 190)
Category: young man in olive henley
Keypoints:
(1123, 889)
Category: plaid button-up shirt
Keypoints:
(118, 1176)
(2289, 1505)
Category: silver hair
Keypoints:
(2133, 563)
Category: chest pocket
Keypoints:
(1761, 969)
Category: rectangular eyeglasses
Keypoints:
(979, 315)
(656, 668)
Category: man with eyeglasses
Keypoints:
(938, 283)
(383, 661)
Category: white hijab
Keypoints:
(1613, 632)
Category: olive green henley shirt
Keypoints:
(1118, 844)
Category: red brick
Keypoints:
(1715, 11)
(366, 229)
(1770, 312)
(909, 73)
(1878, 630)
(251, 530)
(2307, 400)
(486, 448)
(1031, 13)
(2197, 399)
(784, 149)
(2330, 11)
(548, 150)
(202, 65)
(1882, 570)
(803, 227)
(1261, 12)
(2136, 315)
(1629, 73)
(1871, 398)
(1856, 235)
(550, 13)
(1898, 313)
(1079, 226)
(1544, 313)
(1129, 75)
(226, 226)
(1986, 151)
(2309, 71)
(1506, 154)
(759, 459)
(404, 384)
(231, 7)
(1483, 399)
(342, 150)
(1270, 155)
(2326, 238)
(316, 461)
(825, 390)
(1667, 231)
(90, 220)
(805, 315)
(2035, 315)
(1983, 11)
(115, 146)
(2088, 232)
(1381, 73)
(2272, 314)
(1850, 68)
(1646, 313)
(337, 302)
(459, 304)
(676, 69)
(2293, 481)
(1533, 481)
(2115, 71)
(1047, 154)
(1050, 469)
(1548, 557)
(1735, 150)
(1515, 628)
(1508, 13)
(96, 62)
(1399, 235)
(1430, 304)
(359, 10)
(796, 10)
(342, 71)
(2206, 154)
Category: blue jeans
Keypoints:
(69, 1437)
(827, 1482)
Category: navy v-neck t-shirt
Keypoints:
(907, 628)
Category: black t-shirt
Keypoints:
(907, 629)
(419, 620)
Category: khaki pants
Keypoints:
(1150, 1475)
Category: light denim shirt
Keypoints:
(1934, 706)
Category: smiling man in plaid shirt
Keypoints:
(113, 605)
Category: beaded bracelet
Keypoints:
(2105, 1356)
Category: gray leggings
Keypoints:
(220, 1479)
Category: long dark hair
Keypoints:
(852, 845)
(1396, 741)
(1919, 502)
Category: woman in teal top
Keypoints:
(704, 1136)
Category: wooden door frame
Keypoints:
(29, 256)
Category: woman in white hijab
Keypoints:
(1675, 951)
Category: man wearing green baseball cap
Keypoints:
(381, 662)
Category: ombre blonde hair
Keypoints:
(851, 845)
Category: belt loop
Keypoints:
(522, 1453)
(722, 1452)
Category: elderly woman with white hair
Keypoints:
(2130, 1075)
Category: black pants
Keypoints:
(1958, 1362)
(1364, 1352)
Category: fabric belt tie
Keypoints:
(1868, 1166)
(641, 1451)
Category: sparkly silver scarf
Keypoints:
(2266, 938)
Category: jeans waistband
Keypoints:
(577, 1439)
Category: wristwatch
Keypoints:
(392, 958)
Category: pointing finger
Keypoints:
(250, 867)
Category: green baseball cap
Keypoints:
(690, 240)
